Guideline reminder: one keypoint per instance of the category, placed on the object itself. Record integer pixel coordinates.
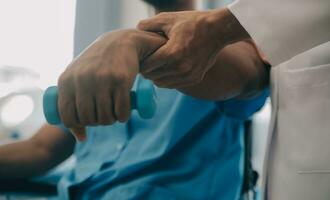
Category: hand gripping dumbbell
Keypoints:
(143, 100)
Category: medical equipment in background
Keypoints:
(21, 115)
(143, 100)
(20, 103)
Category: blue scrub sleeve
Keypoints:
(243, 109)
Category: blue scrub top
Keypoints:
(191, 149)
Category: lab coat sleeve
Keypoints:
(283, 29)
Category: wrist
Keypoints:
(127, 40)
(133, 41)
(226, 26)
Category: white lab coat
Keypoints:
(295, 35)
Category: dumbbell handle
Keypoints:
(143, 100)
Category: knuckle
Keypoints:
(102, 76)
(179, 49)
(81, 75)
(176, 53)
(176, 56)
(173, 54)
(184, 69)
(120, 78)
(63, 80)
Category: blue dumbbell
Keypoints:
(143, 100)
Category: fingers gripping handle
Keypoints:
(143, 100)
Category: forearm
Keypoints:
(239, 72)
(34, 156)
(20, 160)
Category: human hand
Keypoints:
(95, 88)
(194, 40)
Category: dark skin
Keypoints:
(248, 75)
(239, 72)
(94, 90)
(37, 155)
(246, 80)
(195, 38)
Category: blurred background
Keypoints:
(38, 38)
(36, 44)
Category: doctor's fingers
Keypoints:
(159, 23)
(156, 60)
(173, 56)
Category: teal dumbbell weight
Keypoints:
(143, 100)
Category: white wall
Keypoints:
(100, 16)
(38, 35)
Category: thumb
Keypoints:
(154, 61)
(159, 23)
(150, 43)
(79, 133)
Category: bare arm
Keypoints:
(35, 156)
(238, 72)
(94, 89)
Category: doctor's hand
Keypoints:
(194, 40)
(95, 87)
